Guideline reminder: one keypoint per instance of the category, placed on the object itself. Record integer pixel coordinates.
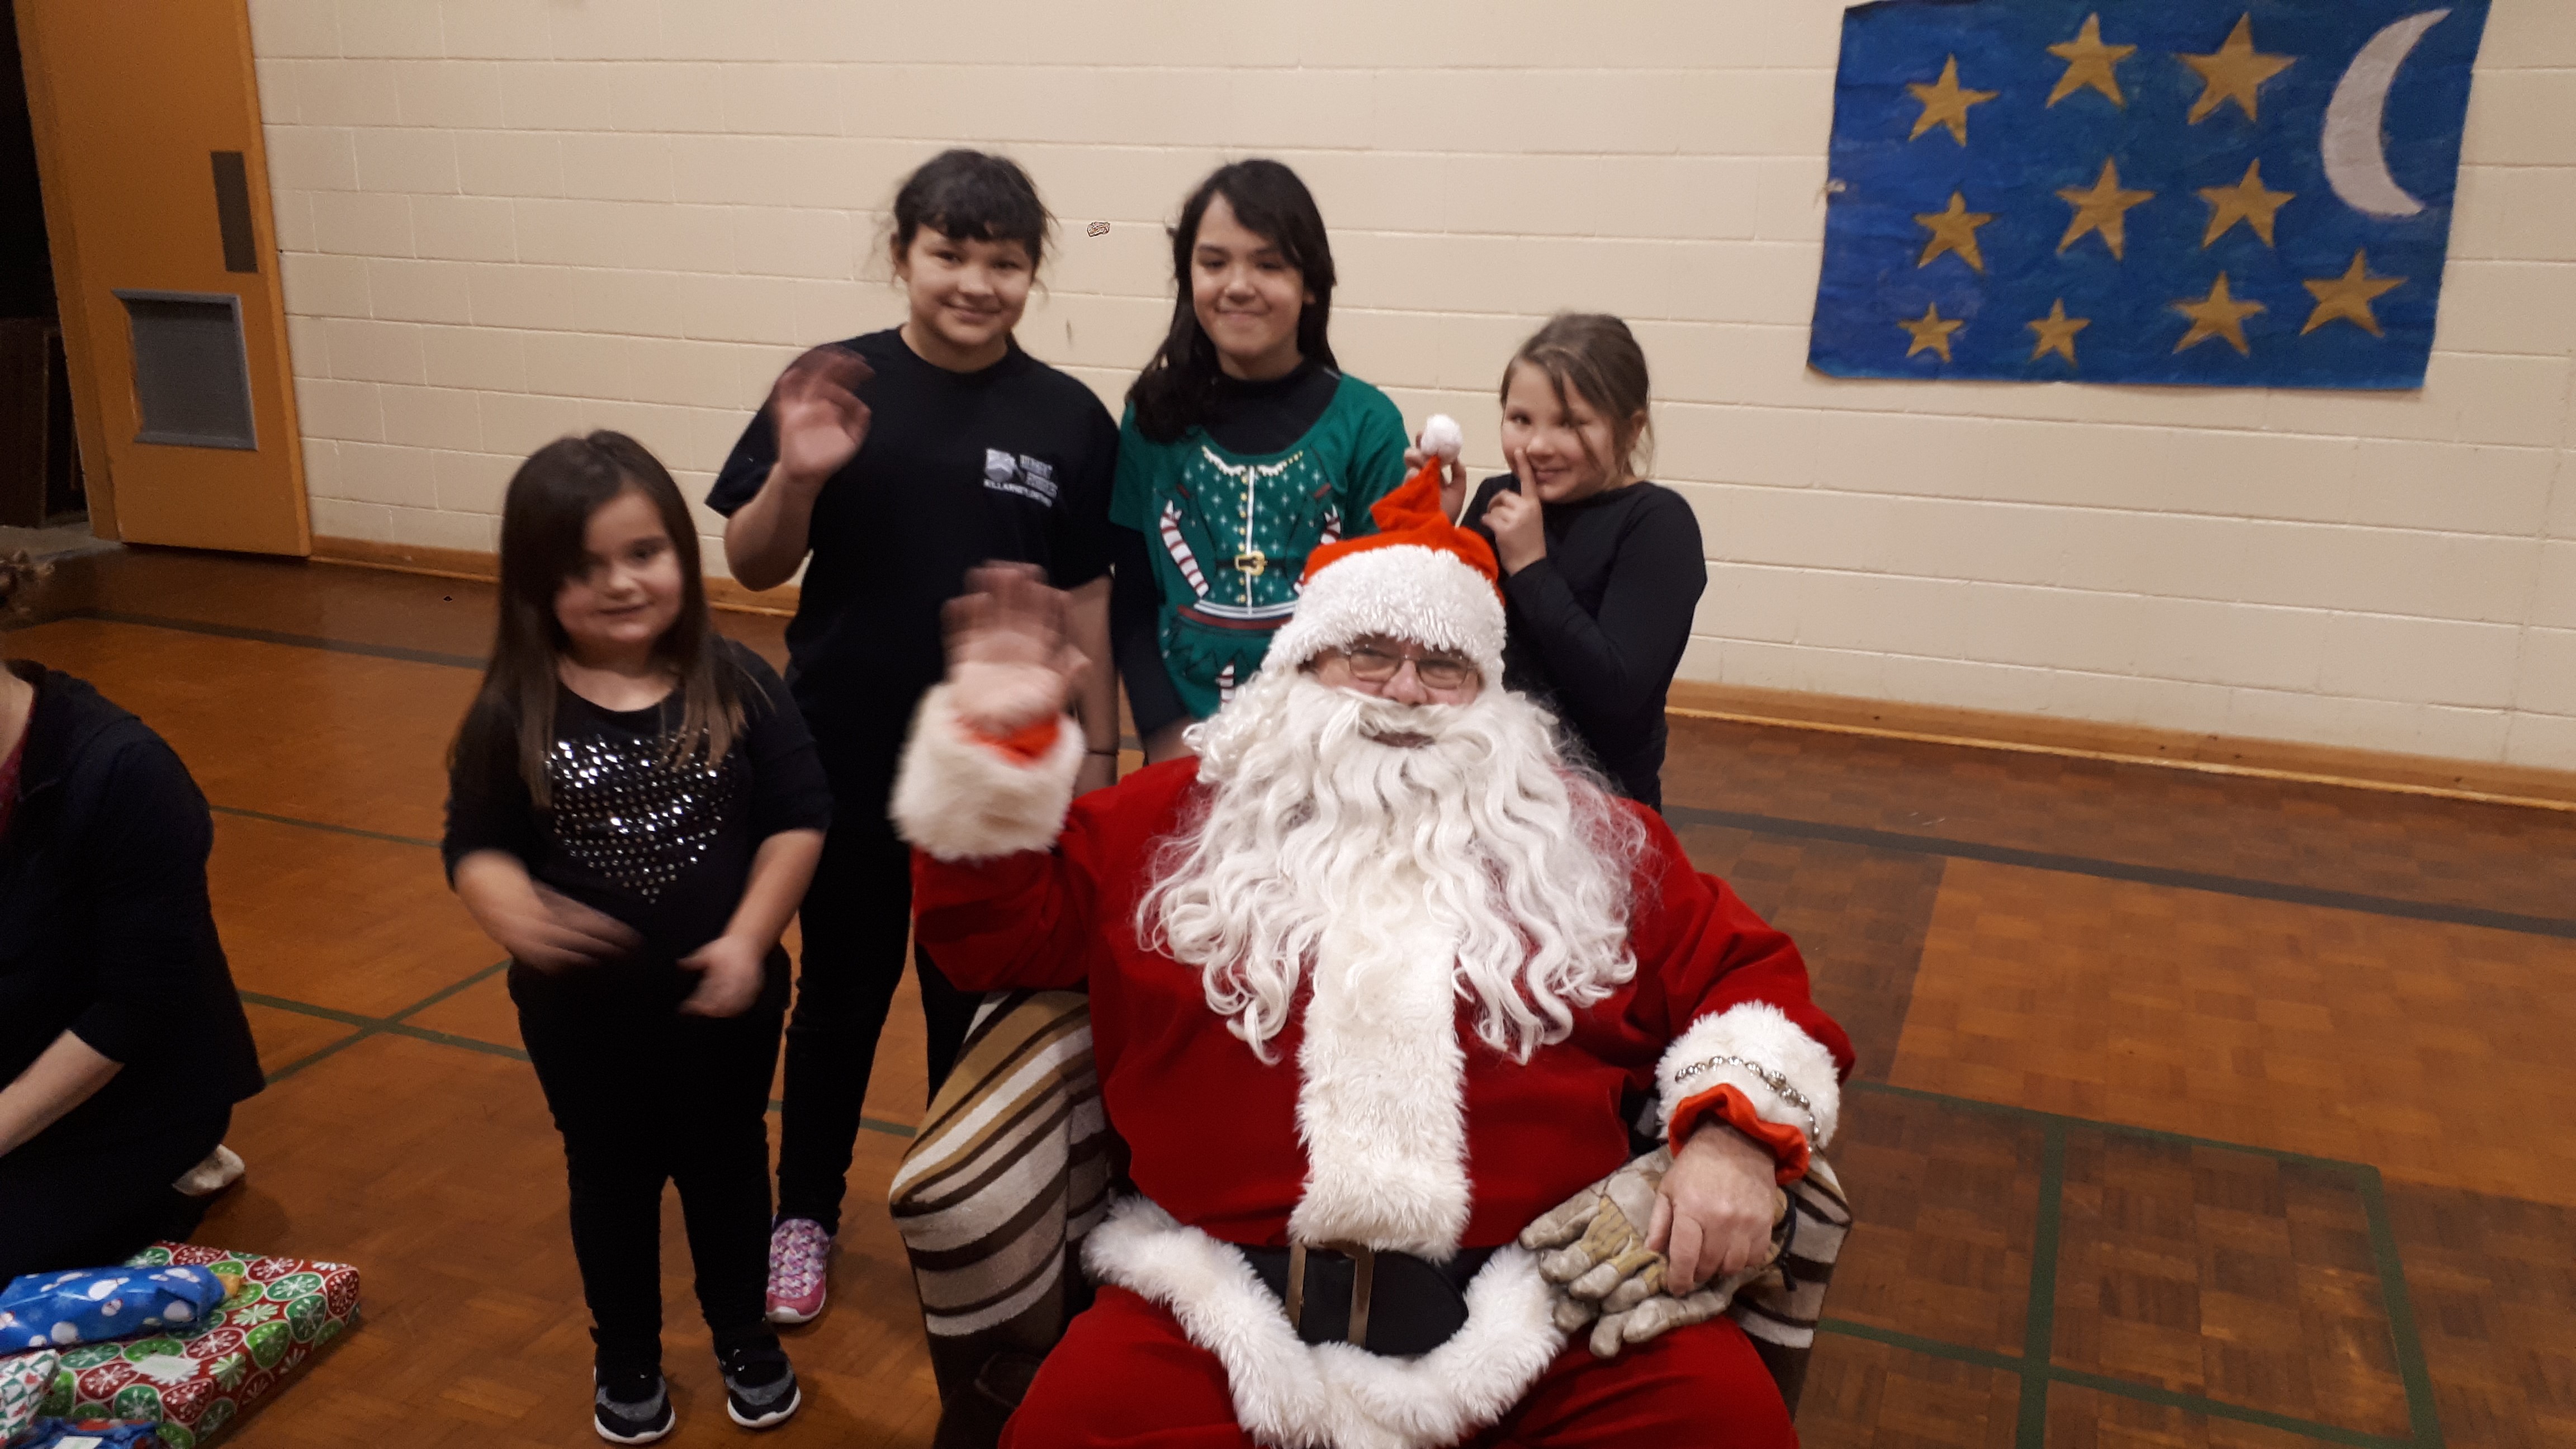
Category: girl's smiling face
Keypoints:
(1247, 295)
(967, 294)
(1573, 451)
(626, 593)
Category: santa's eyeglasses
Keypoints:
(1378, 663)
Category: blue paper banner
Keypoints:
(2248, 193)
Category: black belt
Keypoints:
(1388, 1303)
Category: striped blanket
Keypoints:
(1013, 1165)
(1016, 1162)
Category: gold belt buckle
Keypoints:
(1252, 562)
(1363, 1280)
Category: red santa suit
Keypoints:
(1376, 1115)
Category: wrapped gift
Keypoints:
(23, 1381)
(90, 1434)
(93, 1305)
(196, 1383)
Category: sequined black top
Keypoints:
(664, 845)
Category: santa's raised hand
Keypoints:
(1010, 662)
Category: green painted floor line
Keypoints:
(2039, 1118)
(2413, 1369)
(2144, 1393)
(273, 636)
(443, 993)
(263, 815)
(397, 1025)
(2039, 1318)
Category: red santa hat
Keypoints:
(1419, 578)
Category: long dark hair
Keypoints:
(972, 196)
(543, 519)
(1175, 391)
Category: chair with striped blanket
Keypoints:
(1016, 1162)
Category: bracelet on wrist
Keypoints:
(1771, 1077)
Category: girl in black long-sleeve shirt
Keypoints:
(634, 809)
(1601, 569)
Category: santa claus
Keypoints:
(1370, 977)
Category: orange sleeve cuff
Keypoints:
(1724, 1103)
(1029, 743)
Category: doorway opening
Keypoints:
(40, 470)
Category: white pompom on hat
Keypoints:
(1419, 578)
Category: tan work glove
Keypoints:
(1595, 1241)
(1593, 1247)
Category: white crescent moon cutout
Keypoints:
(2355, 144)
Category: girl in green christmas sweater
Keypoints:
(1243, 447)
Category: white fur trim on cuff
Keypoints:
(958, 798)
(1760, 1033)
(1401, 590)
(1292, 1395)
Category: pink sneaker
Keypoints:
(798, 1251)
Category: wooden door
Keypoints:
(165, 268)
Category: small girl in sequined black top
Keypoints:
(634, 809)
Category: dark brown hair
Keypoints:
(544, 518)
(1177, 388)
(1596, 356)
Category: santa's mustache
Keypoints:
(1353, 718)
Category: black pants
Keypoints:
(95, 1195)
(644, 1096)
(856, 918)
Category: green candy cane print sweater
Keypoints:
(1228, 533)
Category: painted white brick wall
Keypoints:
(509, 219)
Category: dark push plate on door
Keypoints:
(232, 212)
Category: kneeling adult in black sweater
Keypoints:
(123, 1046)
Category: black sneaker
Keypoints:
(631, 1408)
(760, 1387)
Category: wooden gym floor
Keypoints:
(2192, 1110)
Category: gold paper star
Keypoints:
(2246, 201)
(1944, 104)
(2105, 209)
(2233, 72)
(2090, 63)
(2217, 315)
(2349, 297)
(1932, 331)
(1954, 230)
(2057, 333)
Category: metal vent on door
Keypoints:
(191, 370)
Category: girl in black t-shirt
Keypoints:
(889, 465)
(633, 811)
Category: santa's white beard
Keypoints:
(1502, 848)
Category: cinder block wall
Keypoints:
(508, 219)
